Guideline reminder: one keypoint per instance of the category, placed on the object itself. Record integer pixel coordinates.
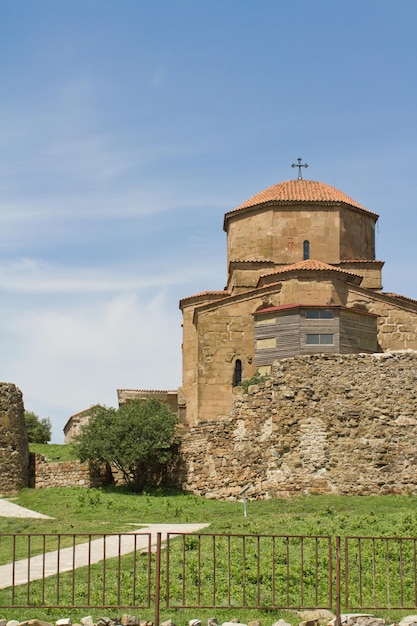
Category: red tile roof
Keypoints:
(360, 261)
(301, 191)
(150, 391)
(252, 261)
(396, 295)
(206, 293)
(283, 307)
(310, 265)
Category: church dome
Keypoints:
(301, 190)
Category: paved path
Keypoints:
(42, 566)
(9, 509)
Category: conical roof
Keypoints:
(301, 190)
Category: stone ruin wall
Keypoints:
(43, 473)
(344, 424)
(14, 447)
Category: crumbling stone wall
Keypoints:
(14, 447)
(43, 473)
(342, 424)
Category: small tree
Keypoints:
(39, 430)
(138, 438)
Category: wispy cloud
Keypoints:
(66, 360)
(31, 276)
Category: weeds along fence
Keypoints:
(213, 571)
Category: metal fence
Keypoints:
(380, 572)
(76, 571)
(213, 571)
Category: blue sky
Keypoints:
(129, 127)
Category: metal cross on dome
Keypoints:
(299, 165)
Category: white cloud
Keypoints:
(31, 276)
(64, 360)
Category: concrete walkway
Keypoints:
(42, 566)
(9, 509)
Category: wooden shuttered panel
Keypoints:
(352, 331)
(286, 330)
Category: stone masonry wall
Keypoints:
(14, 447)
(397, 321)
(342, 424)
(67, 473)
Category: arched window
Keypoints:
(306, 250)
(237, 374)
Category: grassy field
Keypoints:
(54, 451)
(115, 510)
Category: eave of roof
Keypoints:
(214, 295)
(399, 297)
(309, 265)
(284, 307)
(360, 261)
(153, 391)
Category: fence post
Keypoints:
(338, 590)
(157, 578)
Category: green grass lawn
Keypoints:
(114, 509)
(54, 451)
(77, 510)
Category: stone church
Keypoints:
(302, 278)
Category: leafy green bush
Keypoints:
(138, 438)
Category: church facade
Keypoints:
(302, 278)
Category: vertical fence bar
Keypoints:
(135, 548)
(387, 570)
(167, 573)
(258, 569)
(401, 573)
(346, 572)
(415, 571)
(149, 570)
(302, 570)
(214, 570)
(243, 570)
(58, 567)
(228, 569)
(338, 583)
(288, 571)
(43, 568)
(373, 573)
(73, 571)
(330, 576)
(28, 589)
(13, 567)
(104, 570)
(199, 570)
(158, 577)
(119, 565)
(316, 571)
(183, 569)
(273, 571)
(360, 571)
(89, 571)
